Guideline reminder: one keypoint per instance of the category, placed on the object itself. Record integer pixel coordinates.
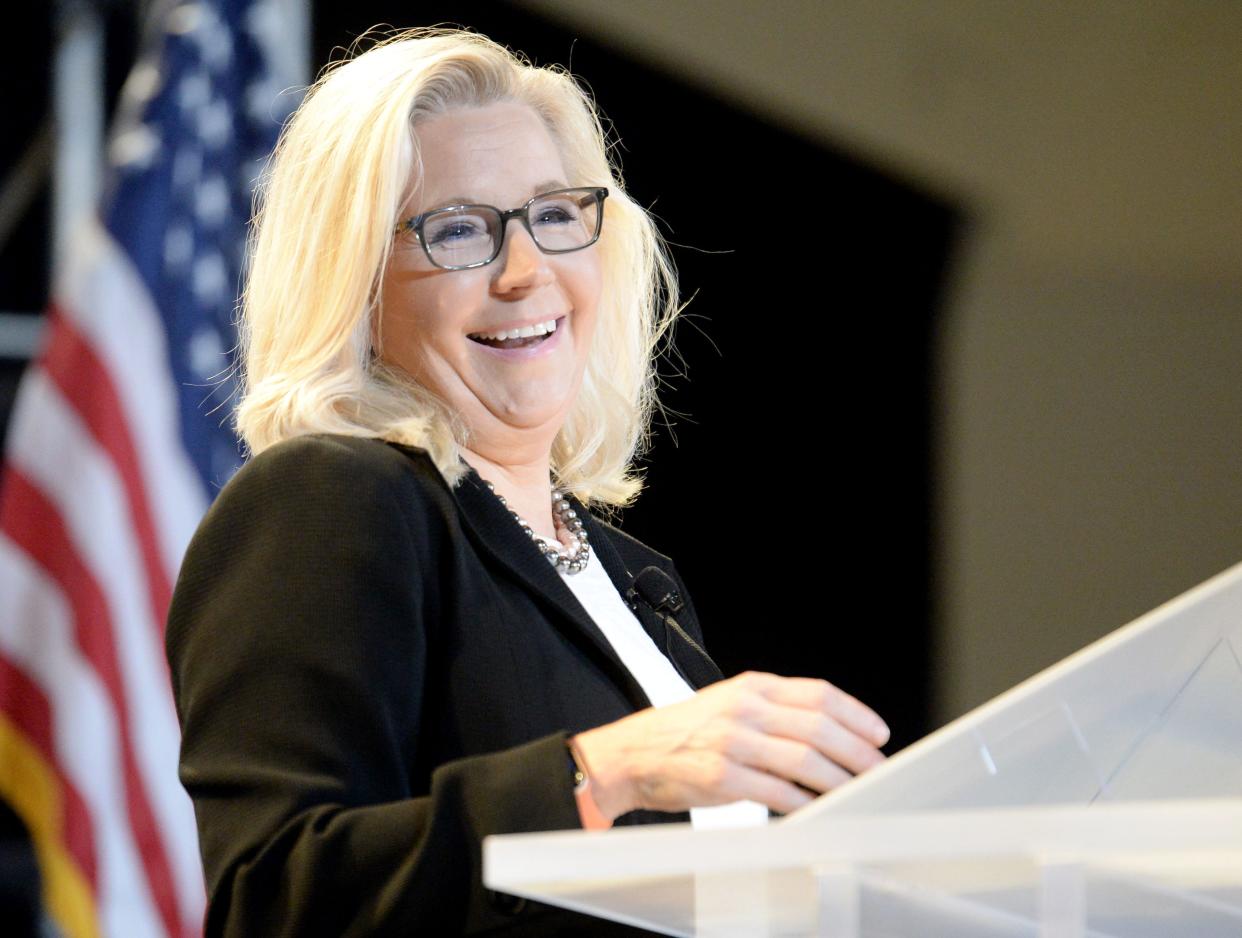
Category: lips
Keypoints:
(520, 337)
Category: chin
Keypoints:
(534, 414)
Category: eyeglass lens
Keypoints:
(559, 221)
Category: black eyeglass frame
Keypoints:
(415, 224)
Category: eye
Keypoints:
(453, 228)
(557, 212)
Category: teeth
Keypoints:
(541, 328)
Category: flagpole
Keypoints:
(76, 149)
(78, 108)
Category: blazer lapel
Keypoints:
(695, 667)
(492, 528)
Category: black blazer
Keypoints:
(373, 672)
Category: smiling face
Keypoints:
(445, 327)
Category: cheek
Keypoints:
(402, 329)
(423, 316)
(587, 287)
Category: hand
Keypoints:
(757, 736)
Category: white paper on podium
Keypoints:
(1102, 797)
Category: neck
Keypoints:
(525, 484)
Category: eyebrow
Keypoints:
(548, 185)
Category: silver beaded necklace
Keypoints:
(572, 559)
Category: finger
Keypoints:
(816, 694)
(767, 789)
(787, 758)
(838, 743)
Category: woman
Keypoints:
(374, 661)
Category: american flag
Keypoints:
(120, 435)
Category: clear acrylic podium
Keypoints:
(1102, 797)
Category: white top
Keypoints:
(653, 671)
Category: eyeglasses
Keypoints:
(458, 237)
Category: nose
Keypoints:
(521, 264)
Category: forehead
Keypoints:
(501, 154)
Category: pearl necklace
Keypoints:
(572, 559)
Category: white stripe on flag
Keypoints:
(51, 445)
(108, 303)
(84, 733)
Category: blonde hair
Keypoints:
(323, 234)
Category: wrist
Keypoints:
(605, 779)
(589, 813)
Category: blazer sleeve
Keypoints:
(297, 643)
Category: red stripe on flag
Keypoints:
(84, 381)
(35, 525)
(27, 707)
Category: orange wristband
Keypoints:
(588, 811)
